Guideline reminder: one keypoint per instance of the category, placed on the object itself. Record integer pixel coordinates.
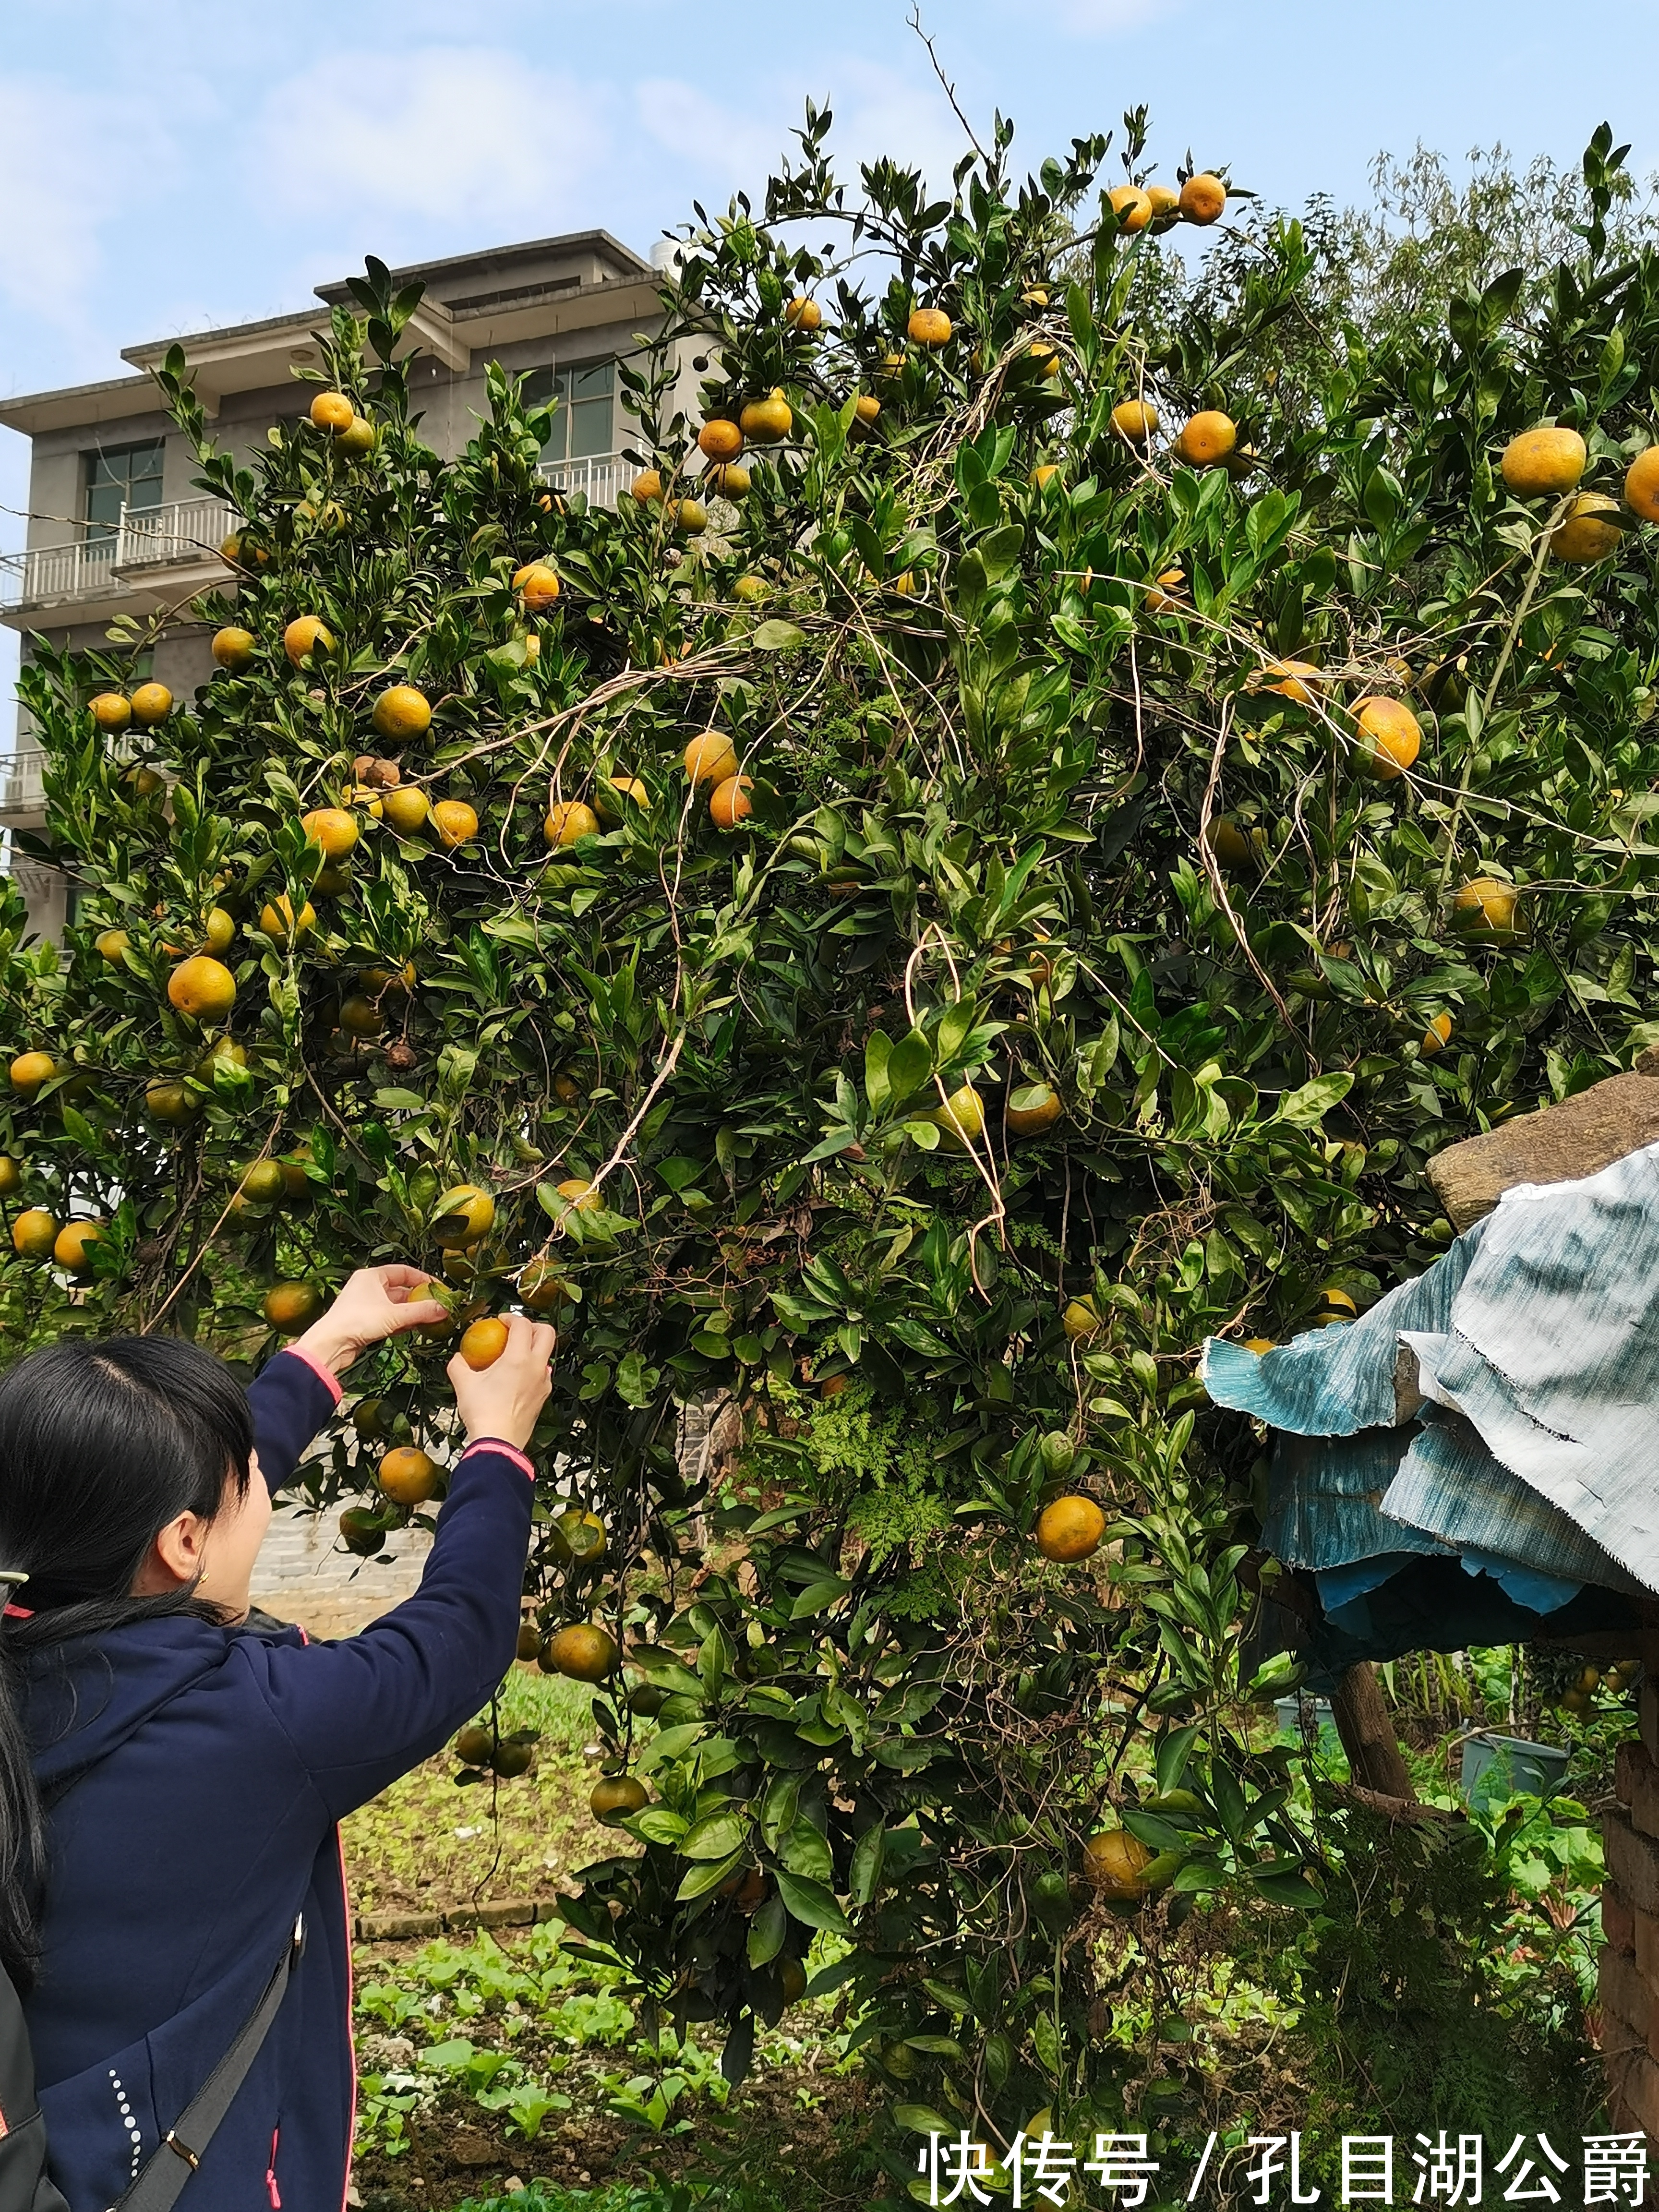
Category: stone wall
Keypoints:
(303, 1573)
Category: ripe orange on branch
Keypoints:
(482, 1342)
(1207, 438)
(455, 822)
(1134, 420)
(332, 411)
(307, 633)
(1590, 532)
(568, 819)
(929, 326)
(290, 1307)
(1390, 736)
(151, 703)
(1069, 1530)
(719, 439)
(585, 1651)
(332, 828)
(407, 1476)
(1203, 198)
(203, 987)
(537, 585)
(767, 422)
(234, 649)
(1642, 485)
(711, 758)
(33, 1234)
(401, 713)
(1132, 205)
(729, 802)
(1543, 463)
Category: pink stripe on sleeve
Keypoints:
(323, 1374)
(503, 1451)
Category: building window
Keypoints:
(123, 475)
(585, 396)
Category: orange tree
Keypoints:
(1003, 856)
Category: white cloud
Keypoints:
(70, 162)
(467, 136)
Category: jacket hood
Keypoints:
(83, 1699)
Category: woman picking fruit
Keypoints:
(171, 1777)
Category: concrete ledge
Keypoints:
(1558, 1143)
(403, 1927)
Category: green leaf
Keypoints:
(766, 1932)
(811, 1903)
(778, 636)
(869, 1856)
(908, 1065)
(655, 1824)
(713, 1837)
(702, 1879)
(1304, 1108)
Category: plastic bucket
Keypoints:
(1290, 1712)
(1502, 1766)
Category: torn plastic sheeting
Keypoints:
(1450, 1486)
(1324, 1497)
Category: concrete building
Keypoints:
(116, 527)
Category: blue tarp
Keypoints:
(1501, 1410)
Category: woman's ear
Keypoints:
(175, 1556)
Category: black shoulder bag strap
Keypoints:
(167, 2170)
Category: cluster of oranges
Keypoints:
(1549, 463)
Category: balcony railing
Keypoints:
(603, 477)
(22, 787)
(188, 530)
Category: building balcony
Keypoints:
(602, 477)
(23, 788)
(154, 557)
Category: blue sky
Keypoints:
(168, 164)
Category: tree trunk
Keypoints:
(1366, 1727)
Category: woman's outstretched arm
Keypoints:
(292, 1397)
(364, 1710)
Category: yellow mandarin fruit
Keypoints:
(1207, 438)
(1389, 737)
(406, 808)
(468, 1217)
(307, 633)
(803, 314)
(454, 821)
(711, 758)
(866, 407)
(1543, 463)
(11, 1175)
(1437, 1036)
(1115, 1862)
(234, 649)
(749, 589)
(618, 1796)
(767, 422)
(585, 1651)
(1041, 1110)
(111, 710)
(33, 1234)
(1132, 206)
(1081, 1320)
(203, 987)
(361, 1018)
(537, 585)
(568, 819)
(72, 1246)
(630, 787)
(1043, 473)
(1485, 908)
(277, 919)
(332, 828)
(646, 487)
(929, 326)
(1232, 848)
(30, 1070)
(401, 713)
(1291, 679)
(579, 1196)
(1166, 202)
(111, 945)
(151, 703)
(290, 1307)
(1069, 1530)
(407, 1476)
(332, 411)
(482, 1342)
(729, 802)
(960, 1121)
(1203, 198)
(355, 439)
(1642, 485)
(728, 480)
(1590, 532)
(720, 440)
(1134, 420)
(542, 1287)
(689, 517)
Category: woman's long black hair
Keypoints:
(101, 1445)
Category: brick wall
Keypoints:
(1629, 1923)
(305, 1573)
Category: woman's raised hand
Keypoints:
(376, 1303)
(502, 1400)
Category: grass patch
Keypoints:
(426, 1845)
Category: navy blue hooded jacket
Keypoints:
(193, 1777)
